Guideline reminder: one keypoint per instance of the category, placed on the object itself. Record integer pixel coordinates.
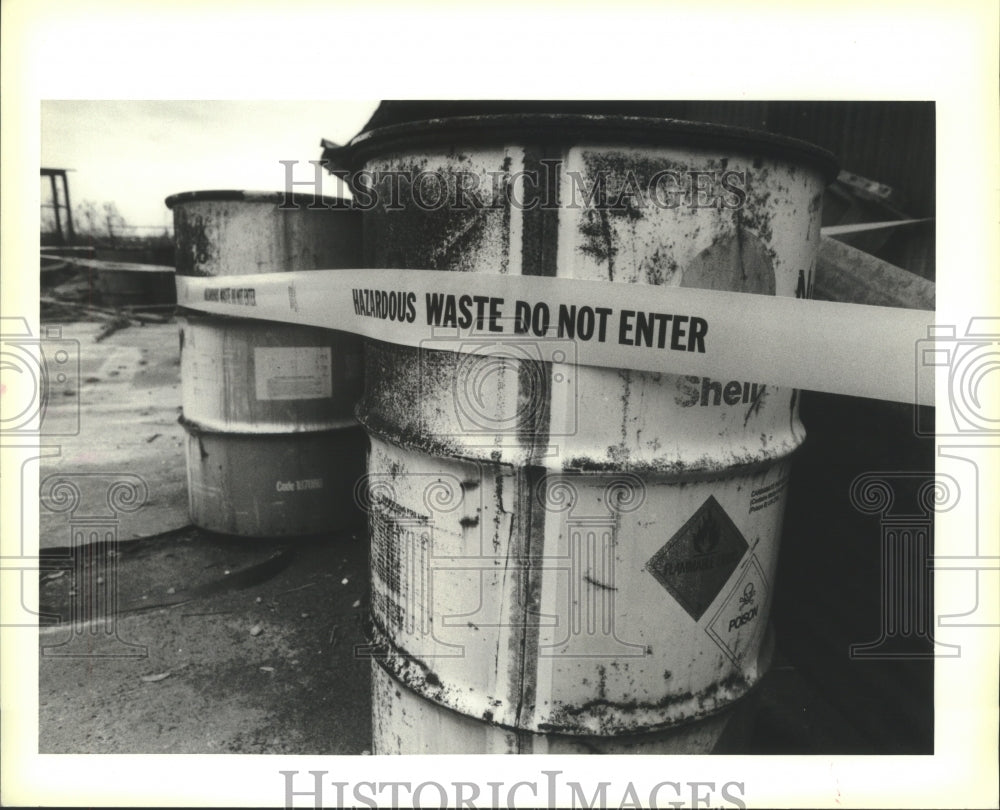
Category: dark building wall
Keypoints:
(888, 141)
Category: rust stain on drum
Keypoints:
(194, 247)
(434, 236)
(273, 446)
(682, 436)
(604, 717)
(706, 467)
(406, 668)
(527, 544)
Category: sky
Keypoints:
(135, 153)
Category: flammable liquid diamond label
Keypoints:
(695, 564)
(737, 625)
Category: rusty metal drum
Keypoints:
(568, 558)
(273, 447)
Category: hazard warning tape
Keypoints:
(852, 349)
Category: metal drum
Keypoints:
(567, 558)
(273, 447)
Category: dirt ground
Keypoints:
(215, 644)
(220, 649)
(220, 645)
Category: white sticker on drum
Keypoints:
(293, 372)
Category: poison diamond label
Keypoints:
(737, 625)
(695, 564)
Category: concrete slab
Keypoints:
(121, 412)
(254, 668)
(160, 638)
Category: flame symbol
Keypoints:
(704, 540)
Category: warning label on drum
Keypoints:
(695, 564)
(293, 372)
(766, 496)
(737, 626)
(400, 567)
